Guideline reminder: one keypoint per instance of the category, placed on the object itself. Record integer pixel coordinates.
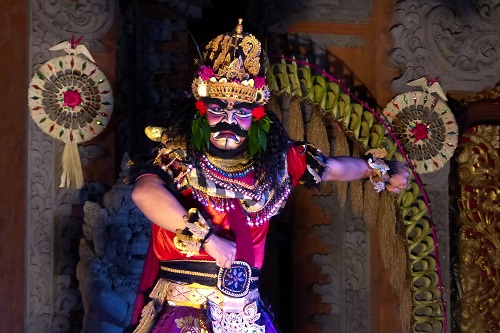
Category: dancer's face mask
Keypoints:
(231, 90)
(229, 122)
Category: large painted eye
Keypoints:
(243, 113)
(215, 110)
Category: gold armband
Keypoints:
(191, 239)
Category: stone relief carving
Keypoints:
(347, 267)
(52, 229)
(151, 65)
(91, 19)
(40, 228)
(356, 279)
(279, 14)
(112, 255)
(457, 41)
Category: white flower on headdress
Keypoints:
(202, 90)
(213, 79)
(223, 80)
(248, 83)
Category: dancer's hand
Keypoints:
(221, 249)
(399, 179)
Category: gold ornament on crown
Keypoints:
(233, 75)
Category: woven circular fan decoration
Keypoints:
(425, 127)
(70, 99)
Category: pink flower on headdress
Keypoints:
(258, 112)
(200, 106)
(259, 81)
(206, 73)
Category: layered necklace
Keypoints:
(229, 168)
(223, 180)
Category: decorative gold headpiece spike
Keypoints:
(239, 28)
(233, 68)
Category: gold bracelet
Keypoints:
(191, 239)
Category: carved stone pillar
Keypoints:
(53, 223)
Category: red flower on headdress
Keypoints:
(206, 73)
(202, 107)
(72, 98)
(258, 112)
(259, 81)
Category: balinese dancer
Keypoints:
(224, 167)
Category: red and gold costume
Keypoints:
(239, 208)
(235, 198)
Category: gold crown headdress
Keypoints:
(233, 68)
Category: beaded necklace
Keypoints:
(229, 183)
(218, 183)
(227, 170)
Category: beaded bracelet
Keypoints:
(207, 236)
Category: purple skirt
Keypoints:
(183, 319)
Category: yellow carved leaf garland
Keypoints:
(422, 307)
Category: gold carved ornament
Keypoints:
(478, 173)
